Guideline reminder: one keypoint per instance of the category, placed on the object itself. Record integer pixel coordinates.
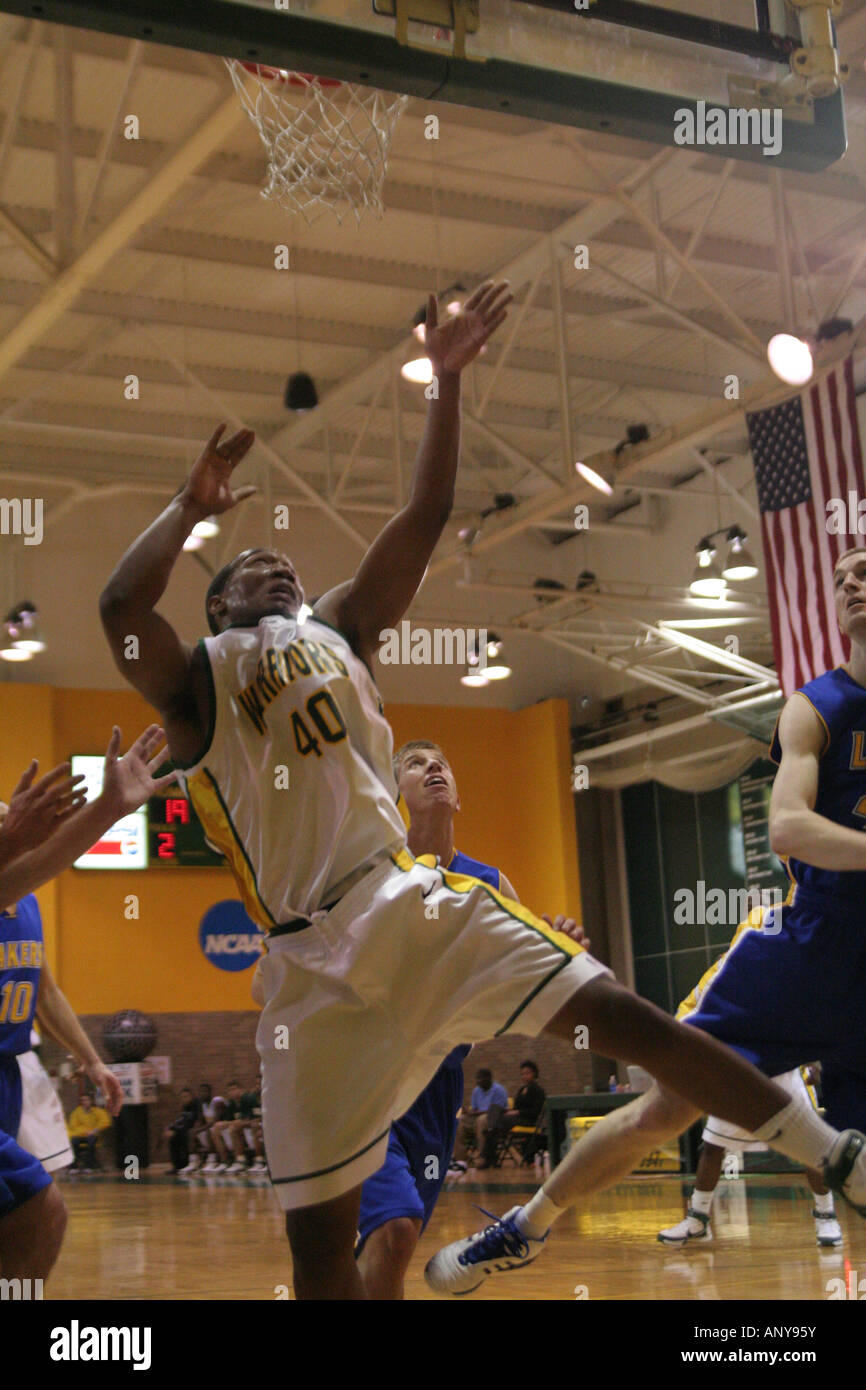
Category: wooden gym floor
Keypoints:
(223, 1239)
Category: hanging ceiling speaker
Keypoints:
(301, 392)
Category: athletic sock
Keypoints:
(537, 1217)
(799, 1133)
(824, 1203)
(702, 1201)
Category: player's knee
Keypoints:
(320, 1234)
(660, 1112)
(401, 1237)
(57, 1218)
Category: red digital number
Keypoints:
(177, 808)
(165, 840)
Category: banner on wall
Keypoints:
(763, 868)
(229, 937)
(139, 1081)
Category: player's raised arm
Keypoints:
(127, 783)
(158, 663)
(394, 566)
(796, 828)
(37, 809)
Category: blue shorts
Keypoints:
(21, 1175)
(420, 1146)
(791, 991)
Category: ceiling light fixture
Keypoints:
(740, 563)
(707, 581)
(206, 529)
(596, 480)
(791, 358)
(419, 371)
(23, 629)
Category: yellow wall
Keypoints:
(513, 774)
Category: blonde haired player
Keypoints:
(377, 965)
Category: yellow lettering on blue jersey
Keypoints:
(21, 955)
(858, 755)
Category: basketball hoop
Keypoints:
(327, 141)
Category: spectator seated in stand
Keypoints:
(178, 1131)
(200, 1135)
(526, 1113)
(482, 1122)
(85, 1125)
(239, 1128)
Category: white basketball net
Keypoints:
(327, 145)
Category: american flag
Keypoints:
(806, 451)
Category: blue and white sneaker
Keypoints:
(462, 1266)
(846, 1156)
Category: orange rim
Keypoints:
(295, 79)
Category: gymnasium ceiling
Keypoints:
(116, 259)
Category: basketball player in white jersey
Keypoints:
(377, 966)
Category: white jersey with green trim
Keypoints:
(295, 785)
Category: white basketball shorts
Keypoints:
(42, 1131)
(362, 1006)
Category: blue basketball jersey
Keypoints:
(21, 955)
(840, 704)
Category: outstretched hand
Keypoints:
(130, 781)
(209, 482)
(35, 811)
(452, 345)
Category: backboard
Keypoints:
(683, 72)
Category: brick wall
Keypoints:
(218, 1047)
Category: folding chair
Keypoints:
(520, 1143)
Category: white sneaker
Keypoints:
(695, 1226)
(193, 1166)
(845, 1169)
(462, 1266)
(236, 1167)
(259, 1166)
(827, 1228)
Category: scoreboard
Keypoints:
(175, 835)
(164, 833)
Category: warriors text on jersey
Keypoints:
(21, 954)
(840, 704)
(295, 785)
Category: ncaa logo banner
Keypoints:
(229, 938)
